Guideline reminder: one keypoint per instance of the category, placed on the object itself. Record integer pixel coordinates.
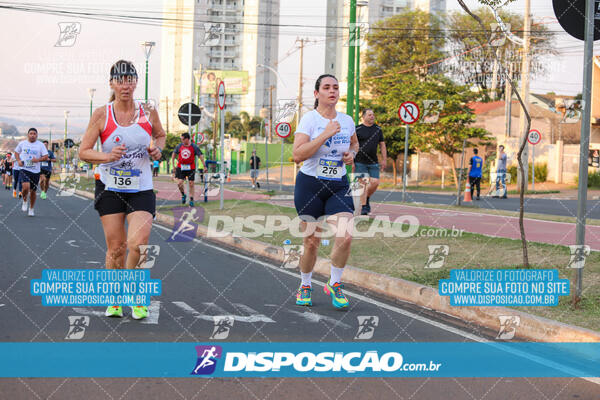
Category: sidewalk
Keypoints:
(562, 233)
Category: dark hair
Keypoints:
(120, 69)
(32, 129)
(44, 141)
(185, 135)
(365, 111)
(475, 151)
(318, 85)
(501, 146)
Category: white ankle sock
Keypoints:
(306, 277)
(336, 275)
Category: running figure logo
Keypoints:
(207, 359)
(437, 255)
(508, 326)
(366, 326)
(498, 37)
(222, 326)
(286, 109)
(578, 255)
(359, 182)
(185, 228)
(68, 33)
(77, 325)
(148, 255)
(68, 183)
(212, 34)
(292, 253)
(431, 110)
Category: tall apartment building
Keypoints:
(206, 40)
(338, 15)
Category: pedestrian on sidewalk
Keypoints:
(254, 165)
(370, 137)
(501, 173)
(476, 164)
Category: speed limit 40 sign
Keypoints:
(534, 137)
(283, 129)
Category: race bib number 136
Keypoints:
(124, 180)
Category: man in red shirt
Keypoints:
(186, 153)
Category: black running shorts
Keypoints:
(109, 202)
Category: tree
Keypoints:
(495, 4)
(446, 136)
(404, 41)
(170, 143)
(473, 63)
(453, 127)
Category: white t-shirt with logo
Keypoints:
(327, 162)
(27, 151)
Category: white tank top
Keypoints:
(133, 172)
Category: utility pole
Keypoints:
(508, 101)
(525, 92)
(351, 59)
(584, 146)
(167, 115)
(300, 81)
(494, 76)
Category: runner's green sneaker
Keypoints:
(337, 297)
(114, 311)
(139, 312)
(43, 195)
(303, 297)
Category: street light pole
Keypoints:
(147, 50)
(351, 59)
(91, 91)
(360, 4)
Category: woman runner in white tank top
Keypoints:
(131, 135)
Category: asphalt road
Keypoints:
(201, 280)
(547, 205)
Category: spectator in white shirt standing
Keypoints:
(29, 153)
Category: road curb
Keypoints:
(531, 327)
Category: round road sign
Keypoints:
(200, 138)
(409, 112)
(571, 17)
(188, 109)
(534, 137)
(283, 129)
(221, 95)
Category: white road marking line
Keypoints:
(400, 311)
(383, 305)
(313, 317)
(153, 313)
(439, 325)
(222, 313)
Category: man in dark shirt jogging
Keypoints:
(370, 137)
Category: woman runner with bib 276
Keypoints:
(326, 141)
(124, 191)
